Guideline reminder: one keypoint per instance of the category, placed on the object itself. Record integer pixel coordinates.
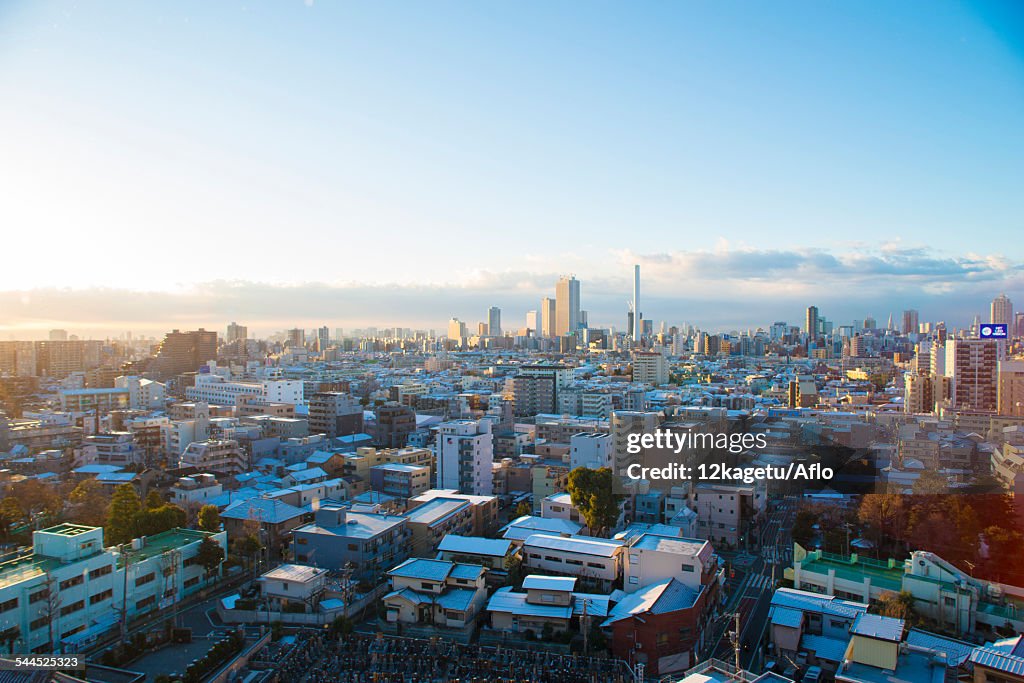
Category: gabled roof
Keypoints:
(265, 510)
(580, 545)
(507, 600)
(668, 595)
(806, 601)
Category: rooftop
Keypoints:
(294, 572)
(581, 545)
(549, 583)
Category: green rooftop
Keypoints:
(164, 542)
(855, 569)
(25, 567)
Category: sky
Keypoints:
(302, 163)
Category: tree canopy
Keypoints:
(591, 494)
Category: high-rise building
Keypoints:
(567, 306)
(1011, 388)
(335, 413)
(58, 335)
(323, 339)
(182, 352)
(236, 332)
(296, 337)
(464, 453)
(494, 321)
(457, 330)
(535, 388)
(910, 321)
(636, 304)
(650, 368)
(547, 317)
(811, 326)
(531, 322)
(1002, 311)
(972, 366)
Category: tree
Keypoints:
(803, 526)
(898, 605)
(153, 521)
(209, 555)
(88, 502)
(1006, 563)
(247, 548)
(930, 483)
(591, 494)
(947, 526)
(11, 513)
(885, 515)
(524, 509)
(36, 496)
(154, 500)
(122, 515)
(209, 518)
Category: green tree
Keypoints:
(591, 494)
(247, 548)
(122, 515)
(209, 555)
(154, 500)
(153, 521)
(88, 503)
(803, 526)
(524, 509)
(209, 518)
(11, 513)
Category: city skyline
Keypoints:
(698, 141)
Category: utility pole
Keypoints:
(736, 646)
(124, 596)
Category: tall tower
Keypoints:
(812, 322)
(567, 305)
(547, 317)
(636, 303)
(494, 321)
(1002, 310)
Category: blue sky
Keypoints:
(476, 150)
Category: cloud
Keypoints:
(716, 288)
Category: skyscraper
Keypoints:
(547, 317)
(811, 326)
(1002, 311)
(494, 321)
(531, 322)
(567, 305)
(183, 352)
(910, 321)
(236, 332)
(636, 303)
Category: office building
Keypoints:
(494, 321)
(1002, 311)
(567, 306)
(548, 313)
(182, 352)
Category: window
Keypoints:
(547, 598)
(145, 602)
(552, 558)
(100, 571)
(73, 581)
(426, 585)
(596, 565)
(100, 597)
(353, 547)
(634, 580)
(38, 595)
(8, 605)
(143, 580)
(302, 540)
(191, 582)
(689, 568)
(38, 623)
(68, 634)
(72, 608)
(949, 602)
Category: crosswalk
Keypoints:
(783, 555)
(758, 581)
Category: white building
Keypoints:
(217, 456)
(650, 367)
(595, 560)
(143, 394)
(592, 450)
(651, 558)
(465, 456)
(216, 390)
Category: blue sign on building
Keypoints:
(994, 331)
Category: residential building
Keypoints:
(183, 352)
(465, 456)
(650, 368)
(335, 413)
(435, 592)
(219, 456)
(366, 543)
(595, 561)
